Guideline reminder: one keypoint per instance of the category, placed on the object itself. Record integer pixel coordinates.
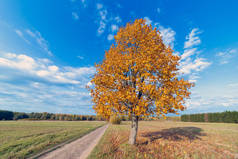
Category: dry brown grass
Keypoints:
(170, 140)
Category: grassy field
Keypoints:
(19, 139)
(169, 139)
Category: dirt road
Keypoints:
(78, 149)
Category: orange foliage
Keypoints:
(139, 75)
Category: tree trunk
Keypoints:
(134, 128)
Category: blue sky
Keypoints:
(48, 49)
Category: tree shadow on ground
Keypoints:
(175, 134)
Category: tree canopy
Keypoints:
(139, 75)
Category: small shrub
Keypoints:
(18, 116)
(115, 119)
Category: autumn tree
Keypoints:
(138, 77)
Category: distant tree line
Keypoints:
(9, 115)
(223, 117)
(6, 115)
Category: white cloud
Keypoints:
(40, 40)
(75, 15)
(44, 60)
(42, 73)
(117, 19)
(226, 56)
(198, 64)
(190, 63)
(147, 20)
(78, 72)
(168, 35)
(41, 97)
(188, 52)
(20, 62)
(30, 84)
(10, 55)
(28, 31)
(211, 103)
(102, 20)
(110, 37)
(34, 67)
(114, 27)
(20, 34)
(53, 68)
(193, 77)
(103, 14)
(192, 38)
(102, 27)
(106, 20)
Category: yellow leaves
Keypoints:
(138, 74)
